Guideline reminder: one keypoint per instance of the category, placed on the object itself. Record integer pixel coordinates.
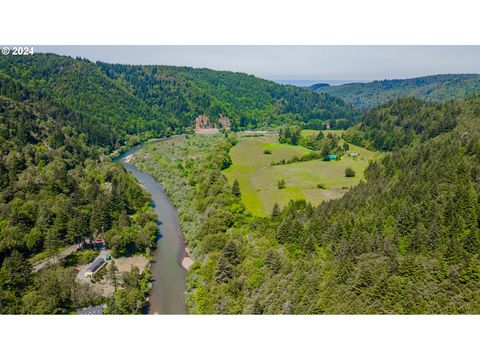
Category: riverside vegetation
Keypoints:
(404, 240)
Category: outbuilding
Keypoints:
(99, 243)
(96, 265)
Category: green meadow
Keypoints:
(258, 179)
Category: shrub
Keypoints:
(87, 256)
(349, 172)
(100, 274)
(321, 186)
(281, 184)
(267, 151)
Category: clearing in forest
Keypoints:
(258, 179)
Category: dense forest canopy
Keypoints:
(139, 102)
(435, 88)
(405, 240)
(184, 93)
(402, 122)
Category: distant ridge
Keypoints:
(316, 87)
(434, 88)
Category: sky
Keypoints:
(297, 64)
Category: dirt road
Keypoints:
(56, 258)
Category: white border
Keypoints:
(256, 22)
(239, 337)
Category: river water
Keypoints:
(169, 277)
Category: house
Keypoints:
(331, 157)
(96, 265)
(99, 243)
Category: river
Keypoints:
(169, 277)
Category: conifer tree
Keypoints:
(275, 210)
(236, 188)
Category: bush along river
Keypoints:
(169, 277)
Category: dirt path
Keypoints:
(56, 258)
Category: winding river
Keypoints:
(169, 277)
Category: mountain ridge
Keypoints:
(154, 100)
(431, 88)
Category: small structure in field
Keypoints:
(353, 154)
(331, 157)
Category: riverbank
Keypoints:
(168, 275)
(124, 151)
(211, 216)
(187, 261)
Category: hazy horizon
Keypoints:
(302, 83)
(286, 63)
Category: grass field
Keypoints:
(258, 179)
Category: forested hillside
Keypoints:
(401, 122)
(183, 93)
(140, 102)
(56, 189)
(405, 240)
(436, 88)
